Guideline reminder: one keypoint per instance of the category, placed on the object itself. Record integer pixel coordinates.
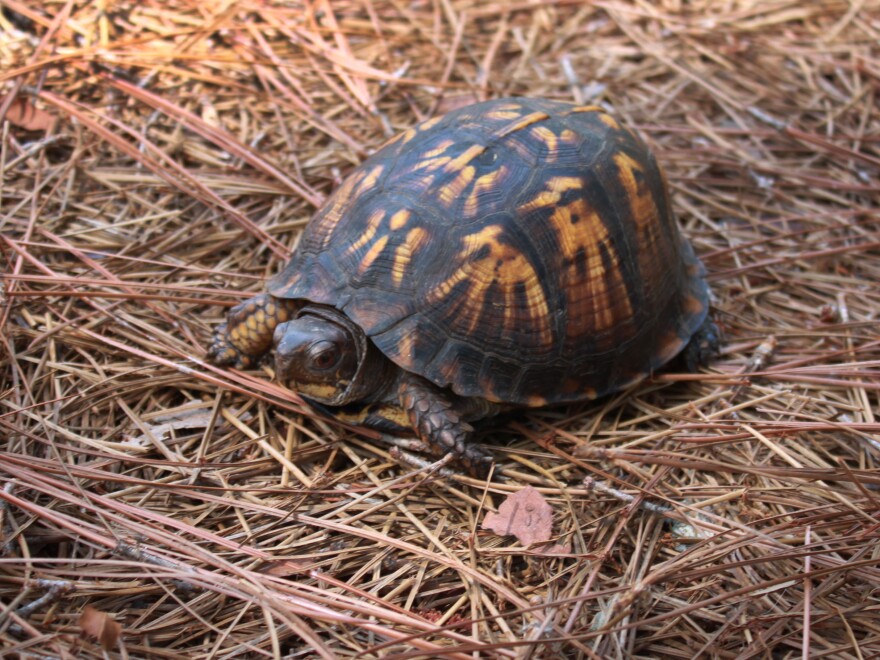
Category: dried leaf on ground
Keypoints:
(101, 626)
(525, 514)
(26, 115)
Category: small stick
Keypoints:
(762, 356)
(136, 554)
(422, 465)
(592, 484)
(55, 589)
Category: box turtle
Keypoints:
(516, 252)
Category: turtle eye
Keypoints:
(323, 355)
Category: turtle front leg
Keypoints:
(437, 421)
(247, 334)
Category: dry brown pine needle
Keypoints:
(158, 162)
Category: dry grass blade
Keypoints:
(159, 160)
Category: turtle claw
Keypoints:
(439, 425)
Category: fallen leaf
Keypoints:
(101, 626)
(525, 515)
(26, 115)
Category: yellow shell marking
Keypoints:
(600, 293)
(414, 240)
(406, 349)
(373, 223)
(430, 123)
(403, 138)
(563, 184)
(508, 267)
(338, 201)
(453, 190)
(513, 106)
(588, 108)
(522, 122)
(439, 149)
(644, 212)
(371, 255)
(408, 135)
(369, 180)
(627, 166)
(392, 140)
(486, 182)
(502, 114)
(568, 136)
(609, 121)
(399, 219)
(553, 192)
(431, 164)
(432, 161)
(549, 138)
(464, 158)
(644, 209)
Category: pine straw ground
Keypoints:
(732, 513)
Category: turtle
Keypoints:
(513, 253)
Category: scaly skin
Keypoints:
(439, 424)
(247, 334)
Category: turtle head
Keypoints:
(322, 354)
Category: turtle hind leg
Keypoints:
(247, 333)
(703, 346)
(434, 417)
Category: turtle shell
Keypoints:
(519, 250)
